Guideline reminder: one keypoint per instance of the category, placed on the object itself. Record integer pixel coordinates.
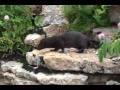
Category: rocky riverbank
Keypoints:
(13, 74)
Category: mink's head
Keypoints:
(94, 44)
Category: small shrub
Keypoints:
(111, 49)
(14, 30)
(84, 18)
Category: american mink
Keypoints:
(69, 39)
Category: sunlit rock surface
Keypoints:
(72, 61)
(33, 39)
(53, 15)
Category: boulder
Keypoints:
(16, 68)
(62, 79)
(9, 66)
(20, 76)
(71, 61)
(55, 29)
(19, 81)
(50, 9)
(112, 82)
(33, 39)
(114, 13)
(53, 15)
(54, 19)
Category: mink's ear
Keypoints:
(96, 42)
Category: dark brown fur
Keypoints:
(69, 39)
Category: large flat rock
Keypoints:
(72, 61)
(19, 76)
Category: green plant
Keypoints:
(103, 50)
(84, 18)
(116, 35)
(109, 48)
(101, 15)
(14, 30)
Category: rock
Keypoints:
(71, 61)
(19, 81)
(111, 82)
(11, 66)
(54, 19)
(114, 13)
(116, 60)
(33, 39)
(32, 60)
(98, 79)
(20, 76)
(3, 80)
(55, 29)
(16, 68)
(53, 15)
(62, 79)
(52, 9)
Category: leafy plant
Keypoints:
(103, 50)
(14, 30)
(101, 15)
(116, 35)
(84, 18)
(109, 48)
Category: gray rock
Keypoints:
(33, 39)
(53, 15)
(55, 29)
(114, 13)
(32, 60)
(11, 66)
(16, 68)
(55, 19)
(111, 82)
(23, 77)
(62, 79)
(19, 81)
(52, 9)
